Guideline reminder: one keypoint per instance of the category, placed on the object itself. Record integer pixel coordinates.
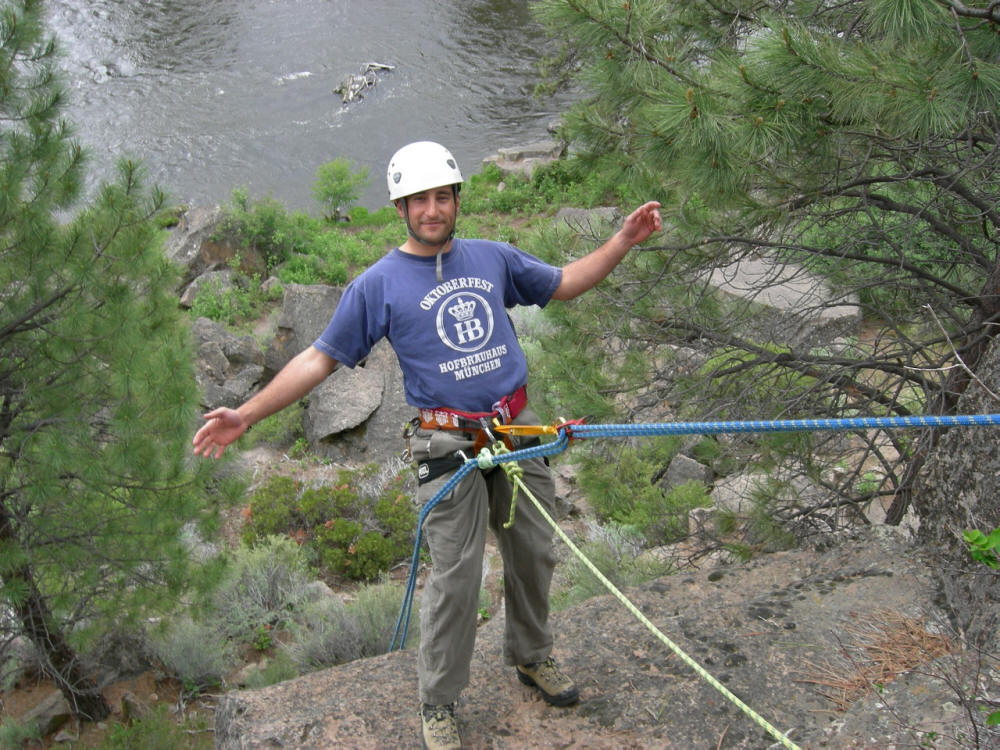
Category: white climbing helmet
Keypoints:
(421, 166)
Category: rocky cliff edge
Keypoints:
(839, 648)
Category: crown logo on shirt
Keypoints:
(462, 309)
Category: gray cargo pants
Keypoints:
(455, 531)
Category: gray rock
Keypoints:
(305, 313)
(768, 630)
(343, 401)
(380, 438)
(191, 246)
(50, 713)
(783, 303)
(216, 282)
(230, 368)
(525, 159)
(683, 469)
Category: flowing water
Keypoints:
(215, 94)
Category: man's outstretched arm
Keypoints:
(223, 426)
(584, 273)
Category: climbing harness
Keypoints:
(566, 431)
(480, 426)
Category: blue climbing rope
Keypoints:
(779, 425)
(577, 430)
(567, 431)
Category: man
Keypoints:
(441, 301)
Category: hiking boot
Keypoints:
(556, 688)
(440, 727)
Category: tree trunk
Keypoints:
(973, 355)
(958, 490)
(36, 620)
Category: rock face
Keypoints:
(524, 159)
(777, 632)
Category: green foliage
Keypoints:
(562, 182)
(361, 217)
(271, 671)
(983, 547)
(621, 490)
(618, 558)
(765, 530)
(280, 430)
(338, 184)
(236, 305)
(159, 730)
(195, 654)
(329, 632)
(300, 249)
(336, 254)
(348, 532)
(266, 226)
(14, 734)
(96, 486)
(262, 586)
(819, 136)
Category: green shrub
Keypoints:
(159, 730)
(618, 559)
(622, 490)
(280, 430)
(347, 530)
(329, 632)
(271, 671)
(197, 655)
(266, 226)
(362, 217)
(234, 305)
(338, 184)
(262, 586)
(274, 510)
(764, 530)
(15, 734)
(558, 183)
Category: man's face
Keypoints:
(431, 214)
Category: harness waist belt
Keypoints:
(432, 468)
(506, 409)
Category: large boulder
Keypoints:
(524, 159)
(780, 632)
(356, 414)
(230, 368)
(305, 313)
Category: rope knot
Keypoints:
(486, 460)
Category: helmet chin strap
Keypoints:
(440, 247)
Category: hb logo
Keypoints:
(464, 321)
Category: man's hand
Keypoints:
(583, 273)
(641, 223)
(223, 427)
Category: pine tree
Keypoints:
(857, 139)
(96, 386)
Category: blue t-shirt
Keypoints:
(455, 343)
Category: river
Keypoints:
(215, 94)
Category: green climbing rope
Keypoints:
(486, 460)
